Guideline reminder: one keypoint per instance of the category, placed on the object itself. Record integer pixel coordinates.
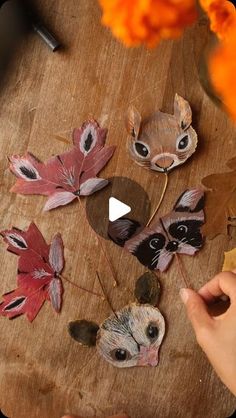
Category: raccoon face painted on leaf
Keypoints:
(163, 141)
(178, 232)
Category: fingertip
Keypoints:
(205, 294)
(185, 294)
(196, 309)
(223, 283)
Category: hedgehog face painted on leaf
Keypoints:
(132, 336)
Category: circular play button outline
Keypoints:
(126, 191)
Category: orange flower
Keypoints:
(222, 67)
(147, 21)
(222, 63)
(222, 15)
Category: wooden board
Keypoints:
(43, 373)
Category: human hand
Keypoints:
(215, 334)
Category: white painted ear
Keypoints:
(182, 112)
(133, 121)
(190, 201)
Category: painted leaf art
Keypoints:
(67, 176)
(38, 275)
(129, 337)
(176, 233)
(220, 201)
(162, 141)
(229, 260)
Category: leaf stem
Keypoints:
(182, 270)
(80, 287)
(102, 247)
(104, 293)
(160, 201)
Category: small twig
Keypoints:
(81, 288)
(104, 293)
(182, 270)
(99, 239)
(108, 262)
(161, 199)
(102, 248)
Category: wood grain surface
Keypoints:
(43, 372)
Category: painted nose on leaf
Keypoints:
(148, 356)
(172, 246)
(164, 162)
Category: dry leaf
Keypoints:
(38, 278)
(69, 175)
(131, 336)
(176, 233)
(229, 260)
(163, 141)
(220, 201)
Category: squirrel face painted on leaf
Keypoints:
(163, 141)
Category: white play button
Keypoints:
(117, 209)
(125, 196)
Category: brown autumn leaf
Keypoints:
(229, 260)
(220, 204)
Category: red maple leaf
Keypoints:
(39, 269)
(69, 175)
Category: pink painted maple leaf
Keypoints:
(38, 277)
(67, 176)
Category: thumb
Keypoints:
(196, 309)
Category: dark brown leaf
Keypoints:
(85, 332)
(148, 289)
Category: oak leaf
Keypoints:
(220, 206)
(229, 260)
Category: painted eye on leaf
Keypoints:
(24, 168)
(88, 139)
(154, 243)
(16, 303)
(28, 173)
(141, 149)
(157, 242)
(182, 143)
(17, 241)
(152, 332)
(120, 354)
(182, 228)
(88, 142)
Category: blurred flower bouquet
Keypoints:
(137, 22)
